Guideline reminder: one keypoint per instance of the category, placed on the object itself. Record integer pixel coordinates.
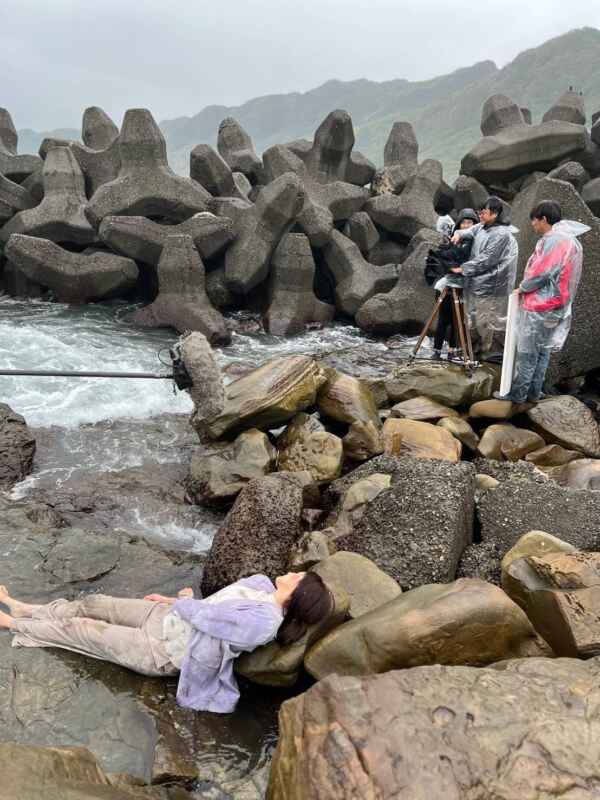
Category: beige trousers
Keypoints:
(126, 632)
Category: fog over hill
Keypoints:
(445, 111)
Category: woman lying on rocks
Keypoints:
(164, 636)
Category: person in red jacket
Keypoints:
(547, 292)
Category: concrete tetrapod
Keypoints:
(211, 171)
(142, 239)
(356, 279)
(259, 230)
(60, 216)
(324, 203)
(182, 302)
(73, 277)
(98, 156)
(146, 184)
(13, 166)
(237, 150)
(293, 303)
(413, 210)
(13, 198)
(400, 159)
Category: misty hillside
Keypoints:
(445, 111)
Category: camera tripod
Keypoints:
(460, 323)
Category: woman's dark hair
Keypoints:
(311, 601)
(549, 209)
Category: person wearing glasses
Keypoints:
(490, 275)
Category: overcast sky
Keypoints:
(174, 57)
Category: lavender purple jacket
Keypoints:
(221, 632)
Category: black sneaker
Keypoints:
(436, 355)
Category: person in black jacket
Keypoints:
(437, 271)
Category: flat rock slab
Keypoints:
(461, 430)
(268, 396)
(422, 409)
(448, 385)
(568, 422)
(521, 730)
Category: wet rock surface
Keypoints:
(17, 447)
(445, 731)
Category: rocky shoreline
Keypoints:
(459, 535)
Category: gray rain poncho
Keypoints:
(490, 275)
(549, 287)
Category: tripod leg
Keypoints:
(428, 324)
(467, 331)
(459, 322)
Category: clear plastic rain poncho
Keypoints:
(550, 284)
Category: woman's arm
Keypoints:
(160, 598)
(246, 624)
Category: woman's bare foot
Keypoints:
(5, 620)
(17, 609)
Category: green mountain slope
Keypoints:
(445, 111)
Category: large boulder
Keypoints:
(217, 478)
(72, 277)
(572, 172)
(500, 442)
(60, 216)
(257, 534)
(306, 445)
(580, 353)
(367, 586)
(268, 396)
(416, 530)
(146, 185)
(350, 401)
(423, 409)
(591, 195)
(420, 440)
(292, 300)
(466, 622)
(447, 384)
(560, 593)
(566, 421)
(469, 193)
(182, 302)
(522, 730)
(519, 504)
(17, 447)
